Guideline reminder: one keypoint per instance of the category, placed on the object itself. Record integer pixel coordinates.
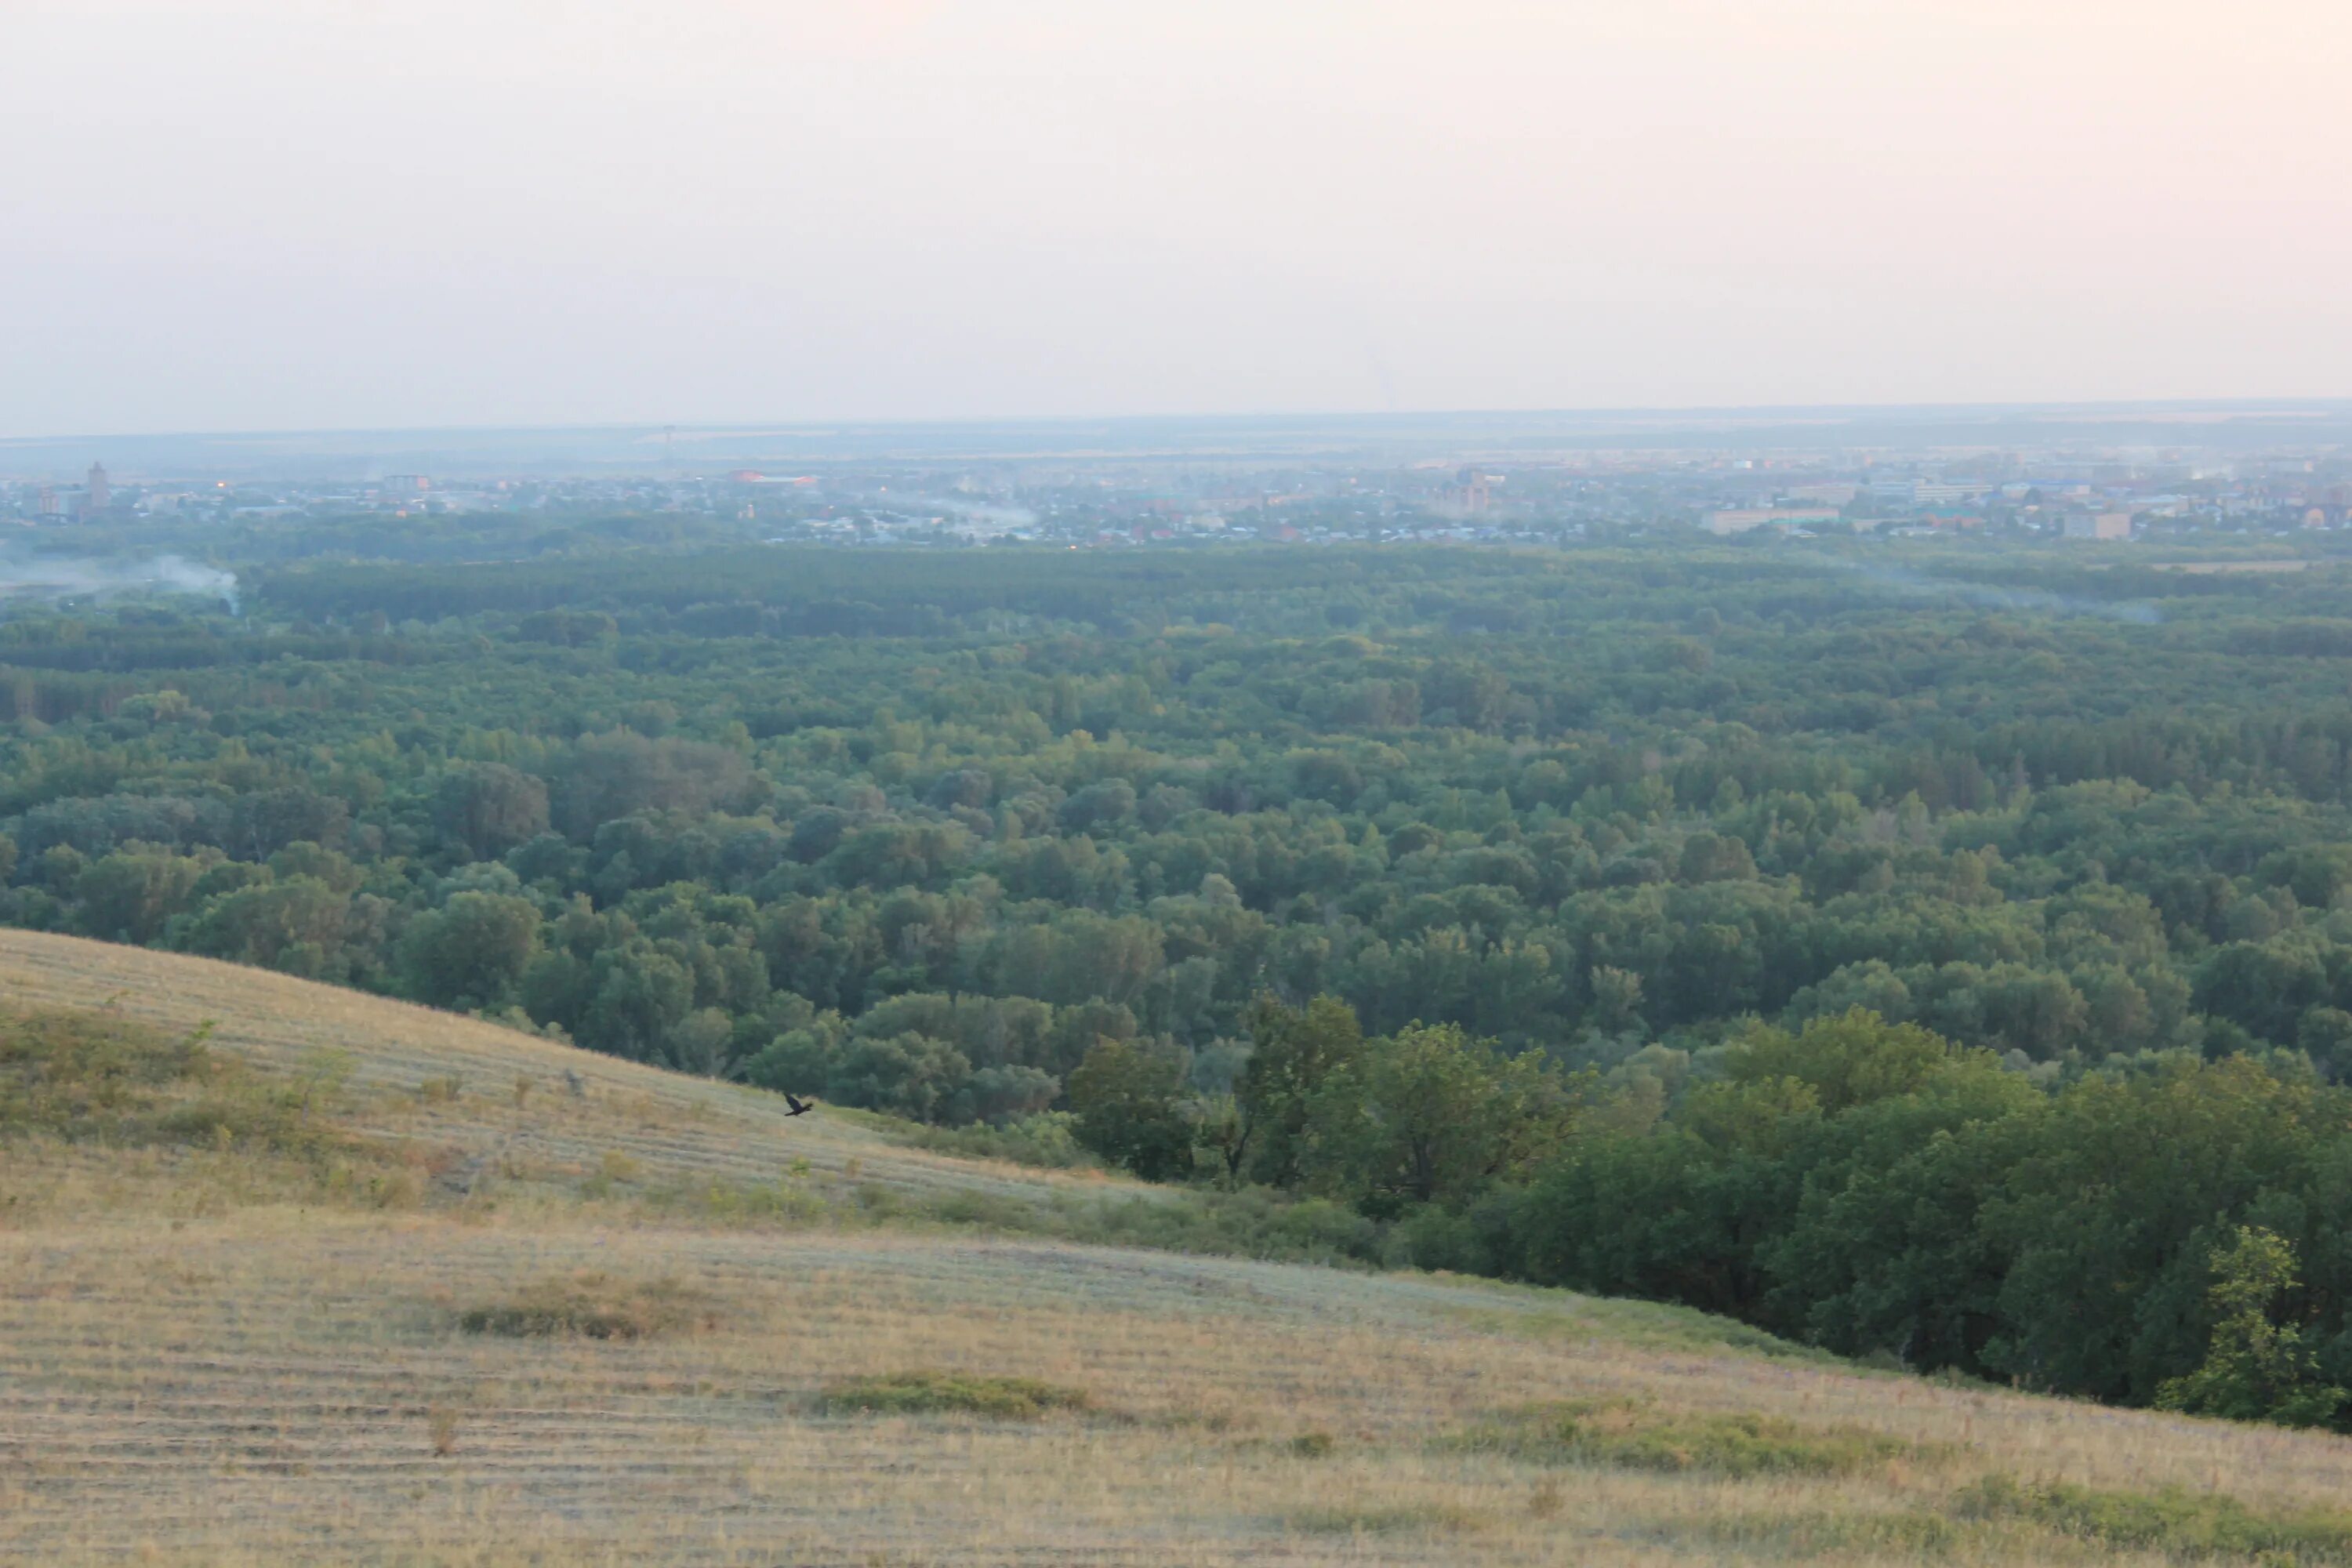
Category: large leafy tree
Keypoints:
(2256, 1368)
(1129, 1100)
(1430, 1116)
(1293, 1051)
(470, 952)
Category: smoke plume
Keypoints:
(55, 576)
(2034, 601)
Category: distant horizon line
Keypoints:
(823, 426)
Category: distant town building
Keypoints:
(98, 495)
(1924, 492)
(1722, 524)
(2098, 525)
(1471, 491)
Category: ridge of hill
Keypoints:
(577, 1338)
(475, 1093)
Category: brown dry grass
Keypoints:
(282, 1380)
(479, 1104)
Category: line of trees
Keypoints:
(2165, 1232)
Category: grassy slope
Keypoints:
(660, 1127)
(191, 1372)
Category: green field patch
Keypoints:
(2178, 1524)
(925, 1392)
(1906, 1535)
(2051, 1519)
(90, 1076)
(1393, 1520)
(595, 1307)
(1647, 1325)
(1634, 1435)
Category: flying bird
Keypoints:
(798, 1106)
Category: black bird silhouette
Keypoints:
(798, 1106)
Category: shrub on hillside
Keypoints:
(88, 1076)
(952, 1394)
(592, 1306)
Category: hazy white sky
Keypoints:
(246, 214)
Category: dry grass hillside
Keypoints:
(438, 1307)
(475, 1096)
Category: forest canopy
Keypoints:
(1745, 905)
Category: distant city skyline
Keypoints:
(2266, 427)
(240, 216)
(2282, 474)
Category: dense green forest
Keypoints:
(1951, 962)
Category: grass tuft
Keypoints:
(1652, 1325)
(1630, 1435)
(2171, 1524)
(93, 1078)
(1384, 1520)
(1908, 1535)
(952, 1394)
(2176, 1523)
(595, 1307)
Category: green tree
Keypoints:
(912, 1076)
(471, 953)
(1429, 1115)
(488, 808)
(701, 1042)
(2256, 1368)
(641, 994)
(1292, 1052)
(1854, 1058)
(128, 896)
(2110, 1203)
(1130, 1109)
(297, 925)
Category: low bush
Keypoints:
(1636, 1436)
(2170, 1524)
(1385, 1521)
(93, 1078)
(952, 1394)
(87, 1076)
(1047, 1140)
(2172, 1521)
(1647, 1325)
(595, 1307)
(1252, 1223)
(1905, 1535)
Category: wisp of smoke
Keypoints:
(2031, 600)
(981, 511)
(52, 576)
